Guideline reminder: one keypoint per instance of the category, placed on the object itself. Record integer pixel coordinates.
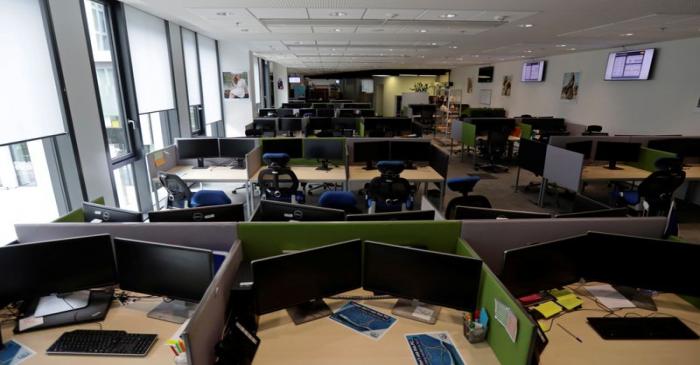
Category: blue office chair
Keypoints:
(180, 195)
(389, 192)
(343, 200)
(655, 194)
(464, 185)
(278, 182)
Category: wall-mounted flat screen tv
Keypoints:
(629, 65)
(533, 71)
(294, 79)
(485, 74)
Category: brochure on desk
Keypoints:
(434, 348)
(15, 353)
(363, 320)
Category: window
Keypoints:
(152, 131)
(99, 35)
(192, 75)
(124, 181)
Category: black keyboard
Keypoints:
(642, 328)
(102, 343)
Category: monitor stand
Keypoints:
(176, 311)
(369, 166)
(324, 166)
(639, 297)
(59, 303)
(417, 311)
(200, 164)
(611, 166)
(309, 311)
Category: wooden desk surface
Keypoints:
(131, 318)
(324, 341)
(601, 173)
(692, 172)
(421, 174)
(310, 174)
(210, 174)
(564, 349)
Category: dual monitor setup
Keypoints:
(274, 211)
(323, 150)
(53, 279)
(201, 148)
(612, 152)
(98, 213)
(407, 151)
(300, 280)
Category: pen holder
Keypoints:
(474, 332)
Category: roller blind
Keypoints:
(189, 48)
(210, 79)
(29, 95)
(150, 61)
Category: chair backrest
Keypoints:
(594, 128)
(478, 201)
(278, 182)
(178, 192)
(660, 185)
(389, 192)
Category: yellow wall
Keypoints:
(396, 85)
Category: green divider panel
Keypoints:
(361, 127)
(263, 239)
(468, 134)
(647, 158)
(507, 351)
(77, 214)
(695, 301)
(525, 130)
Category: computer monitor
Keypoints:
(410, 151)
(306, 112)
(98, 213)
(366, 112)
(414, 275)
(369, 152)
(598, 213)
(289, 125)
(413, 215)
(58, 272)
(465, 212)
(214, 213)
(291, 146)
(236, 148)
(617, 151)
(318, 124)
(199, 148)
(286, 112)
(682, 147)
(179, 273)
(345, 124)
(357, 106)
(299, 281)
(327, 113)
(324, 150)
(543, 266)
(348, 113)
(583, 148)
(274, 211)
(267, 112)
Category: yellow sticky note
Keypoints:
(569, 301)
(558, 293)
(548, 309)
(159, 158)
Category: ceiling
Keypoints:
(345, 35)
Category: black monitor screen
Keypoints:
(235, 147)
(292, 279)
(410, 151)
(214, 213)
(531, 269)
(30, 270)
(290, 146)
(583, 147)
(617, 151)
(289, 124)
(464, 212)
(197, 147)
(272, 211)
(102, 213)
(319, 123)
(175, 272)
(370, 151)
(485, 74)
(324, 149)
(683, 147)
(416, 215)
(431, 277)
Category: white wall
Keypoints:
(663, 105)
(235, 57)
(280, 73)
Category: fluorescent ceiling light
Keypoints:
(448, 15)
(338, 13)
(527, 25)
(423, 31)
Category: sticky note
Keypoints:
(558, 293)
(548, 309)
(569, 301)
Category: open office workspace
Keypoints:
(324, 183)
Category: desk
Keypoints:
(215, 174)
(131, 318)
(422, 174)
(324, 341)
(309, 174)
(564, 349)
(601, 173)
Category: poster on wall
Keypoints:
(235, 85)
(280, 84)
(470, 85)
(569, 85)
(507, 82)
(485, 96)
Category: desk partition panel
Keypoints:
(648, 157)
(253, 161)
(161, 160)
(563, 167)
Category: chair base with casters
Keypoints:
(491, 150)
(343, 200)
(464, 185)
(180, 195)
(389, 192)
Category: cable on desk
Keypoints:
(361, 297)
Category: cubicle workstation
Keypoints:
(386, 126)
(289, 126)
(542, 127)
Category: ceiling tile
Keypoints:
(279, 13)
(398, 14)
(340, 30)
(329, 13)
(299, 29)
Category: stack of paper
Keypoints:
(609, 297)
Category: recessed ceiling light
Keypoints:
(391, 50)
(453, 47)
(223, 13)
(572, 49)
(338, 13)
(421, 56)
(527, 25)
(528, 51)
(460, 59)
(423, 31)
(476, 55)
(627, 34)
(560, 45)
(433, 44)
(522, 56)
(448, 15)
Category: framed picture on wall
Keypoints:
(235, 85)
(485, 96)
(470, 85)
(507, 83)
(569, 85)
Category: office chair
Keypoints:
(594, 130)
(180, 195)
(278, 182)
(389, 192)
(655, 193)
(426, 121)
(343, 200)
(263, 126)
(464, 185)
(492, 149)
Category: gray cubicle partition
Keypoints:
(216, 236)
(207, 323)
(161, 160)
(563, 167)
(350, 142)
(490, 238)
(253, 161)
